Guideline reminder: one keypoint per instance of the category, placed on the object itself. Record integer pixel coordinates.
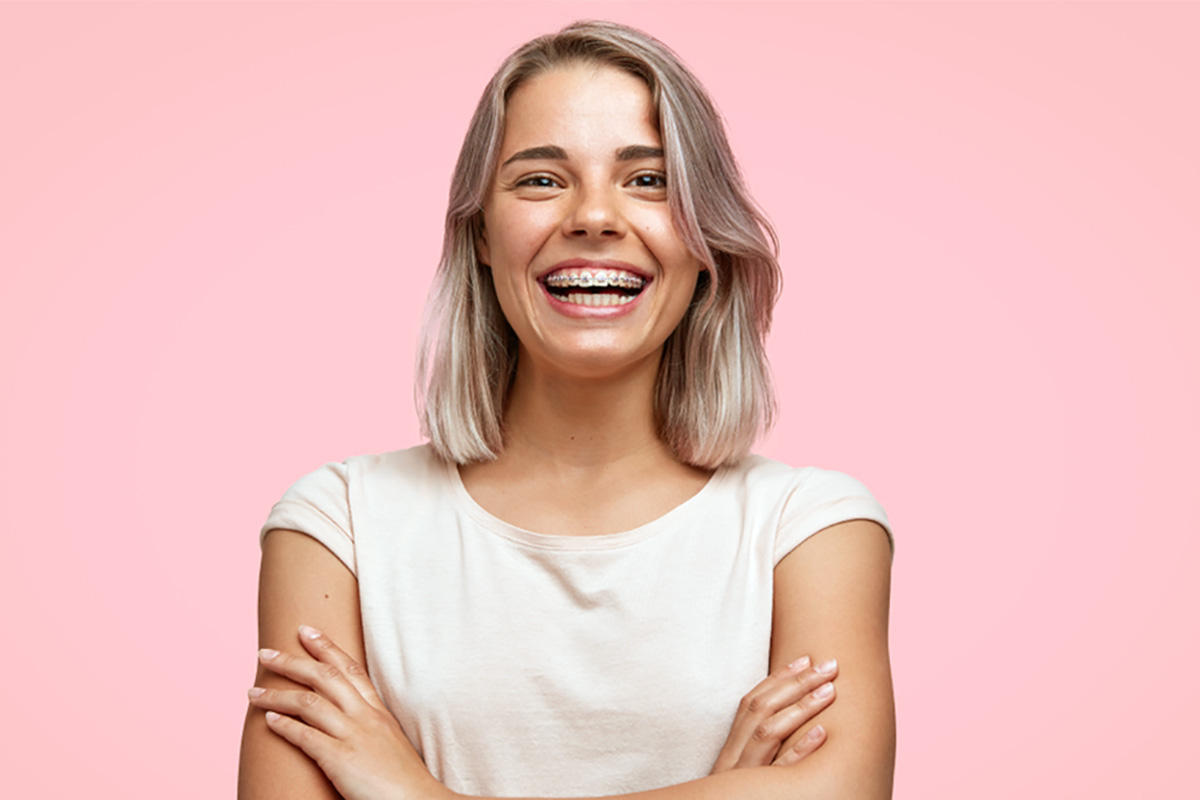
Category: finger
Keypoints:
(791, 687)
(324, 678)
(807, 744)
(817, 705)
(754, 740)
(325, 650)
(751, 709)
(308, 706)
(767, 738)
(318, 746)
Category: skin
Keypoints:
(579, 428)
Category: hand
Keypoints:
(343, 725)
(775, 709)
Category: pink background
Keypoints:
(218, 223)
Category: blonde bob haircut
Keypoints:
(713, 397)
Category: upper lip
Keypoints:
(584, 263)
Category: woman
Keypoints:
(583, 586)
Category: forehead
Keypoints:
(578, 107)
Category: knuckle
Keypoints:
(763, 733)
(355, 669)
(309, 699)
(808, 680)
(754, 704)
(330, 673)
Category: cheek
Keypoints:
(684, 299)
(521, 236)
(659, 233)
(510, 291)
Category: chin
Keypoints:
(598, 363)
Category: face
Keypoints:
(588, 266)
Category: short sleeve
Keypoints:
(823, 498)
(318, 505)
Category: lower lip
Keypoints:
(580, 311)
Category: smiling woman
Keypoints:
(565, 224)
(583, 585)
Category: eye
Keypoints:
(649, 180)
(540, 182)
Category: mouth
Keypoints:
(591, 286)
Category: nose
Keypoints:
(596, 213)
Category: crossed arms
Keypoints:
(831, 599)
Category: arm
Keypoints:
(831, 596)
(300, 582)
(831, 599)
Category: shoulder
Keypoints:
(321, 503)
(766, 475)
(806, 499)
(331, 481)
(417, 464)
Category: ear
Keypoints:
(482, 251)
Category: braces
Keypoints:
(594, 282)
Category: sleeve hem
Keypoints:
(866, 509)
(296, 517)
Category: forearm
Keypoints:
(772, 783)
(272, 769)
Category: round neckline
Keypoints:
(552, 541)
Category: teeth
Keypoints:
(579, 298)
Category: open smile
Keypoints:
(594, 284)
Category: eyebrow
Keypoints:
(638, 151)
(547, 151)
(554, 153)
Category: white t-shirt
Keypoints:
(522, 663)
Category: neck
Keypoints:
(583, 423)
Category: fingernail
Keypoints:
(823, 691)
(272, 716)
(816, 732)
(266, 654)
(799, 663)
(309, 633)
(826, 667)
(255, 692)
